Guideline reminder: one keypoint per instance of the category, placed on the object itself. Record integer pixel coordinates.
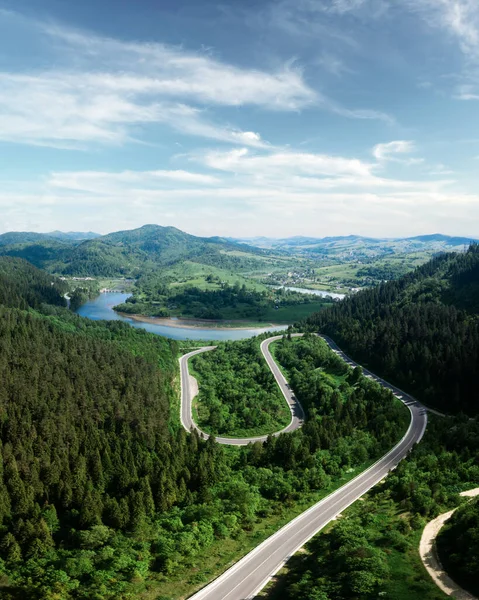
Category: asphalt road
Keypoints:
(249, 575)
(297, 413)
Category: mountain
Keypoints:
(439, 237)
(333, 244)
(421, 331)
(73, 236)
(124, 253)
(22, 237)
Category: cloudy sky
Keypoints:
(281, 117)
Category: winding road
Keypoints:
(249, 575)
(189, 390)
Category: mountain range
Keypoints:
(123, 253)
(313, 244)
(128, 253)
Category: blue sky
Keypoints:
(288, 117)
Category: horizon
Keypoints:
(218, 235)
(277, 118)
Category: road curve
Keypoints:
(297, 413)
(249, 575)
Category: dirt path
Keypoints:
(430, 558)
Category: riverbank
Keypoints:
(221, 325)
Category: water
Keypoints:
(101, 307)
(321, 293)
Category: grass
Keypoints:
(189, 273)
(290, 314)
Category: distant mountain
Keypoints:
(125, 253)
(22, 237)
(73, 236)
(132, 252)
(439, 237)
(333, 244)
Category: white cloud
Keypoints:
(468, 92)
(109, 182)
(392, 151)
(278, 163)
(440, 170)
(333, 64)
(104, 90)
(152, 68)
(69, 111)
(229, 210)
(460, 18)
(245, 192)
(301, 171)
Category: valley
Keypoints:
(170, 273)
(115, 499)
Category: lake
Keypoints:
(101, 308)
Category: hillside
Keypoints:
(73, 236)
(332, 244)
(126, 253)
(103, 495)
(421, 332)
(22, 285)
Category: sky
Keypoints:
(274, 118)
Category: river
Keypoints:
(101, 308)
(321, 293)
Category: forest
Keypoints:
(126, 253)
(24, 286)
(372, 551)
(458, 546)
(104, 496)
(225, 302)
(421, 332)
(238, 395)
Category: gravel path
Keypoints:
(430, 558)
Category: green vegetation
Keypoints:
(23, 286)
(223, 303)
(331, 264)
(127, 253)
(458, 546)
(370, 553)
(373, 549)
(80, 295)
(103, 495)
(421, 332)
(238, 395)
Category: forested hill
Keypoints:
(125, 253)
(421, 331)
(84, 438)
(23, 285)
(103, 495)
